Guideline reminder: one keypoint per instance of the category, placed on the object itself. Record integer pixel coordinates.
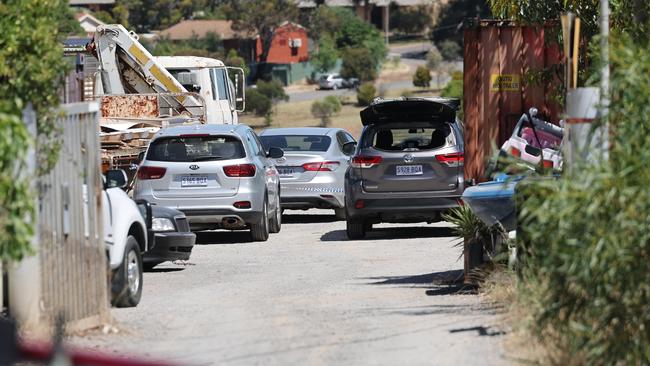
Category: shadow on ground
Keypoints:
(307, 219)
(163, 269)
(481, 330)
(453, 277)
(223, 237)
(390, 233)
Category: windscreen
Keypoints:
(297, 142)
(540, 139)
(195, 148)
(409, 139)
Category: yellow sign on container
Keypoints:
(505, 82)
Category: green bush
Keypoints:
(274, 90)
(324, 109)
(422, 77)
(454, 89)
(359, 63)
(450, 50)
(32, 68)
(434, 58)
(366, 94)
(257, 102)
(324, 59)
(585, 241)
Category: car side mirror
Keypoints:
(275, 152)
(116, 178)
(349, 147)
(141, 156)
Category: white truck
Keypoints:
(140, 93)
(126, 67)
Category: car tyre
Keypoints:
(127, 281)
(340, 213)
(356, 229)
(260, 229)
(276, 220)
(334, 87)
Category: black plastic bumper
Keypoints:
(170, 246)
(402, 210)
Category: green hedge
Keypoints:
(585, 238)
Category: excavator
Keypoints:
(140, 93)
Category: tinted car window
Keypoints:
(195, 148)
(297, 142)
(408, 139)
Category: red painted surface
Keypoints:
(281, 51)
(503, 48)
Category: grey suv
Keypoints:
(408, 166)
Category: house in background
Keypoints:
(288, 56)
(186, 30)
(290, 45)
(89, 23)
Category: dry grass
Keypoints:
(298, 114)
(520, 345)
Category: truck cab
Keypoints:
(208, 78)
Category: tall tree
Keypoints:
(632, 16)
(261, 17)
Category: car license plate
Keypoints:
(285, 171)
(194, 181)
(409, 170)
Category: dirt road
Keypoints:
(309, 296)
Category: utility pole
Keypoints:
(604, 75)
(386, 22)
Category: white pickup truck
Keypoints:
(126, 237)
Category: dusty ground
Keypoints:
(310, 296)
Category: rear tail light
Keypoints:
(151, 172)
(547, 164)
(240, 170)
(242, 204)
(327, 166)
(361, 161)
(515, 152)
(452, 160)
(359, 204)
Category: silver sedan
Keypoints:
(312, 170)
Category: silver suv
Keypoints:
(408, 166)
(220, 176)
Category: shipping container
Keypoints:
(508, 68)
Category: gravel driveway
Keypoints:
(310, 296)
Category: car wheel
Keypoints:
(260, 229)
(340, 213)
(356, 229)
(127, 281)
(334, 87)
(276, 221)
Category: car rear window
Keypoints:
(409, 139)
(195, 148)
(297, 142)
